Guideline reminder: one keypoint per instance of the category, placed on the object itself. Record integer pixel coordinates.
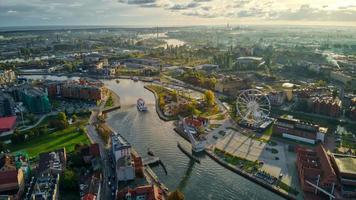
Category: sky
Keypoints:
(176, 12)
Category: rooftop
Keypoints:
(7, 123)
(346, 164)
(119, 142)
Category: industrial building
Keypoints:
(295, 129)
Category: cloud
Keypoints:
(139, 2)
(14, 12)
(183, 6)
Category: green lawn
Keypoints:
(67, 138)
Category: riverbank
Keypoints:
(158, 110)
(248, 176)
(116, 102)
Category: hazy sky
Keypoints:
(176, 12)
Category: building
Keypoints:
(120, 147)
(342, 77)
(277, 98)
(326, 106)
(90, 152)
(315, 172)
(81, 90)
(295, 129)
(7, 76)
(146, 192)
(45, 186)
(138, 164)
(7, 125)
(7, 105)
(124, 164)
(209, 68)
(231, 85)
(125, 169)
(193, 124)
(12, 184)
(249, 62)
(35, 100)
(91, 187)
(288, 89)
(53, 162)
(345, 168)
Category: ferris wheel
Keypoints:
(252, 106)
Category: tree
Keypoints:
(321, 83)
(176, 195)
(62, 116)
(74, 118)
(69, 180)
(210, 97)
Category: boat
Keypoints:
(135, 78)
(150, 153)
(141, 105)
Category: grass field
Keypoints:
(67, 138)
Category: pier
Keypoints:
(188, 154)
(151, 160)
(153, 179)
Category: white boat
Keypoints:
(141, 105)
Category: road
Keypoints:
(39, 121)
(106, 192)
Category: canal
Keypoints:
(207, 180)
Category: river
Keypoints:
(207, 180)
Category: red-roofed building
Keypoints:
(196, 122)
(146, 192)
(7, 123)
(315, 169)
(12, 183)
(89, 197)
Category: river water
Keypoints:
(207, 180)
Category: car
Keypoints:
(215, 137)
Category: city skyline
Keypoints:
(176, 13)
